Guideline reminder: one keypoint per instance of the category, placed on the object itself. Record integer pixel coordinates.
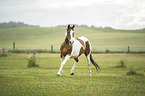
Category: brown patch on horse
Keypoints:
(81, 41)
(68, 30)
(87, 50)
(68, 34)
(81, 51)
(65, 48)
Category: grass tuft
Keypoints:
(133, 72)
(3, 55)
(121, 64)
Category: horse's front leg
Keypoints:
(75, 63)
(62, 64)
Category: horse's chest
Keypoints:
(66, 50)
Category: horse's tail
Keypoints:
(94, 63)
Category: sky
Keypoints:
(118, 14)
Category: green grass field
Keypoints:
(101, 39)
(16, 79)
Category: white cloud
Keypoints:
(132, 16)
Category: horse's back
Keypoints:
(83, 38)
(87, 44)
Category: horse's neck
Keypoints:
(67, 44)
(66, 41)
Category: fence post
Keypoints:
(51, 48)
(34, 55)
(3, 51)
(13, 45)
(128, 49)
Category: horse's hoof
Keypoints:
(71, 73)
(90, 75)
(58, 75)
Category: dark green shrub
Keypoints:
(107, 51)
(121, 64)
(32, 62)
(131, 72)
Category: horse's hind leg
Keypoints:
(87, 53)
(88, 59)
(75, 63)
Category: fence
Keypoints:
(55, 49)
(126, 49)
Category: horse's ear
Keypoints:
(68, 26)
(73, 26)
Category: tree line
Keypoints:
(12, 24)
(83, 25)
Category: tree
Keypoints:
(92, 26)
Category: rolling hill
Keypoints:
(44, 37)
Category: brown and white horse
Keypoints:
(73, 48)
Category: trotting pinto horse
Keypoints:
(73, 48)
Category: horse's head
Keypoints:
(69, 35)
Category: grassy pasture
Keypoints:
(43, 38)
(16, 79)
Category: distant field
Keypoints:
(16, 79)
(43, 38)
